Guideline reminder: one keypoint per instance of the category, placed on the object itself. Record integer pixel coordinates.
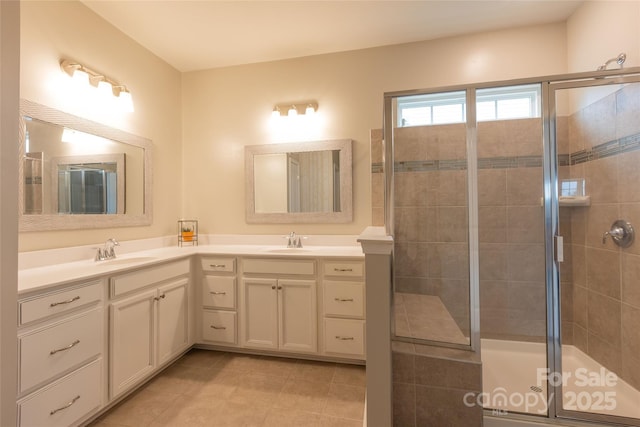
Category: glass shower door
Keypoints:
(597, 134)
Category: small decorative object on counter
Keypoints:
(188, 232)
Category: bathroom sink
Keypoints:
(124, 261)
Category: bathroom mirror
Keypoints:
(75, 173)
(305, 182)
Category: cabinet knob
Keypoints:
(273, 287)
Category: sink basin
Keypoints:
(122, 261)
(288, 250)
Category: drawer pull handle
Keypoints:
(343, 270)
(160, 297)
(338, 337)
(218, 327)
(217, 293)
(74, 400)
(217, 265)
(73, 344)
(344, 299)
(69, 301)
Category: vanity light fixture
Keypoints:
(292, 110)
(104, 84)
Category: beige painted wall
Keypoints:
(51, 30)
(227, 108)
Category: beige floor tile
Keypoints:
(314, 371)
(345, 401)
(303, 395)
(327, 421)
(179, 379)
(140, 409)
(350, 374)
(257, 390)
(186, 411)
(206, 359)
(279, 418)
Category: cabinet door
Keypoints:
(132, 340)
(297, 321)
(260, 313)
(173, 325)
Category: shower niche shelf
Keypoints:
(569, 201)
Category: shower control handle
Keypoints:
(621, 234)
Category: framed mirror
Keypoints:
(75, 173)
(306, 182)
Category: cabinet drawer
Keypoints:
(218, 264)
(345, 336)
(344, 299)
(48, 352)
(219, 326)
(344, 269)
(279, 266)
(219, 292)
(148, 276)
(66, 401)
(60, 302)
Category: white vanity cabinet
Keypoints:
(344, 308)
(279, 310)
(60, 360)
(148, 322)
(219, 317)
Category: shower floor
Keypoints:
(425, 317)
(512, 382)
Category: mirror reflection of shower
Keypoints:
(618, 60)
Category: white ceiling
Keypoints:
(195, 35)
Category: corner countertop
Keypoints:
(51, 276)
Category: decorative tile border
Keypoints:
(608, 149)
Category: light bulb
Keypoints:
(310, 110)
(105, 89)
(125, 100)
(292, 111)
(80, 77)
(275, 113)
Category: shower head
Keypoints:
(618, 59)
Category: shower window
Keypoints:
(503, 103)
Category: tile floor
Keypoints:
(211, 388)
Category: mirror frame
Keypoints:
(48, 222)
(346, 189)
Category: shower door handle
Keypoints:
(559, 240)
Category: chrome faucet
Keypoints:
(294, 241)
(109, 251)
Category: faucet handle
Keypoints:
(100, 254)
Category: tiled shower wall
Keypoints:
(604, 148)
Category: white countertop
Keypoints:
(39, 278)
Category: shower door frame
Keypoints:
(552, 233)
